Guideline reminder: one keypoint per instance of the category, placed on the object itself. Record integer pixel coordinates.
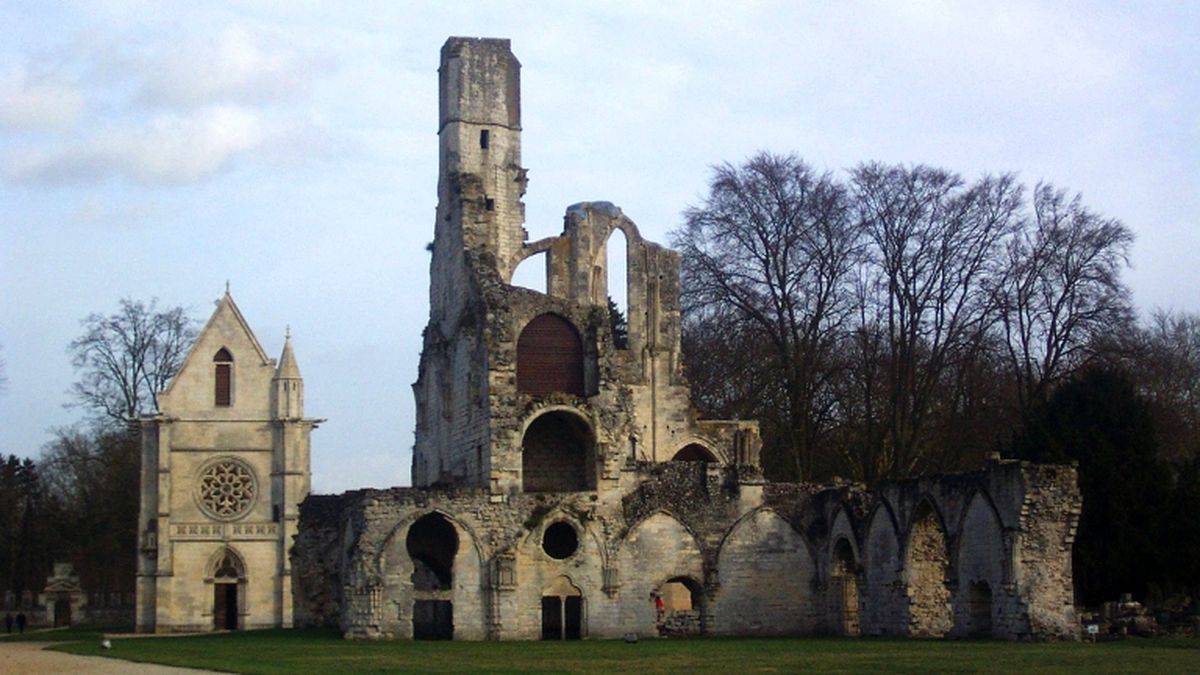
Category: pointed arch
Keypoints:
(981, 567)
(533, 272)
(881, 571)
(657, 548)
(226, 564)
(431, 608)
(223, 378)
(927, 572)
(694, 452)
(763, 545)
(616, 284)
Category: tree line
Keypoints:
(891, 321)
(78, 501)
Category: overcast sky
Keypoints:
(156, 150)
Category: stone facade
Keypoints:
(565, 487)
(225, 466)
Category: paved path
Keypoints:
(29, 657)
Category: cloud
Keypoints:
(236, 65)
(170, 149)
(29, 103)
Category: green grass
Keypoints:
(292, 651)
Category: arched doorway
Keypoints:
(926, 564)
(682, 601)
(562, 611)
(843, 588)
(694, 452)
(549, 357)
(558, 454)
(228, 575)
(432, 544)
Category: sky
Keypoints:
(151, 149)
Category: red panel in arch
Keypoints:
(549, 357)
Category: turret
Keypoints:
(288, 401)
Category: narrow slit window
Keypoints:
(489, 204)
(484, 139)
(223, 378)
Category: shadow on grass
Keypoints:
(314, 651)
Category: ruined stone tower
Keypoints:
(496, 357)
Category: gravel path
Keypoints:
(29, 657)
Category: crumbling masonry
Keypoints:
(565, 487)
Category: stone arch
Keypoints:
(562, 615)
(980, 562)
(657, 548)
(558, 452)
(399, 574)
(766, 571)
(550, 357)
(223, 378)
(535, 570)
(694, 452)
(589, 541)
(880, 556)
(532, 272)
(682, 612)
(927, 572)
(226, 574)
(226, 564)
(843, 588)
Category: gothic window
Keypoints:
(227, 488)
(223, 389)
(549, 357)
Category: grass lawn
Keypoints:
(292, 651)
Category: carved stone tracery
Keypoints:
(226, 489)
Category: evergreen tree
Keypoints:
(1098, 420)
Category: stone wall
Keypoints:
(768, 559)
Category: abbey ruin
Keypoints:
(564, 486)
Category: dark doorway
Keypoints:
(573, 617)
(562, 617)
(225, 606)
(432, 544)
(562, 610)
(552, 618)
(558, 454)
(62, 612)
(433, 620)
(979, 603)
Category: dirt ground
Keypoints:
(29, 657)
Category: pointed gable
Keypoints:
(192, 393)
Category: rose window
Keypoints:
(227, 489)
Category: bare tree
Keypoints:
(925, 301)
(125, 359)
(1061, 289)
(770, 250)
(1167, 371)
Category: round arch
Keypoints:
(550, 357)
(558, 452)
